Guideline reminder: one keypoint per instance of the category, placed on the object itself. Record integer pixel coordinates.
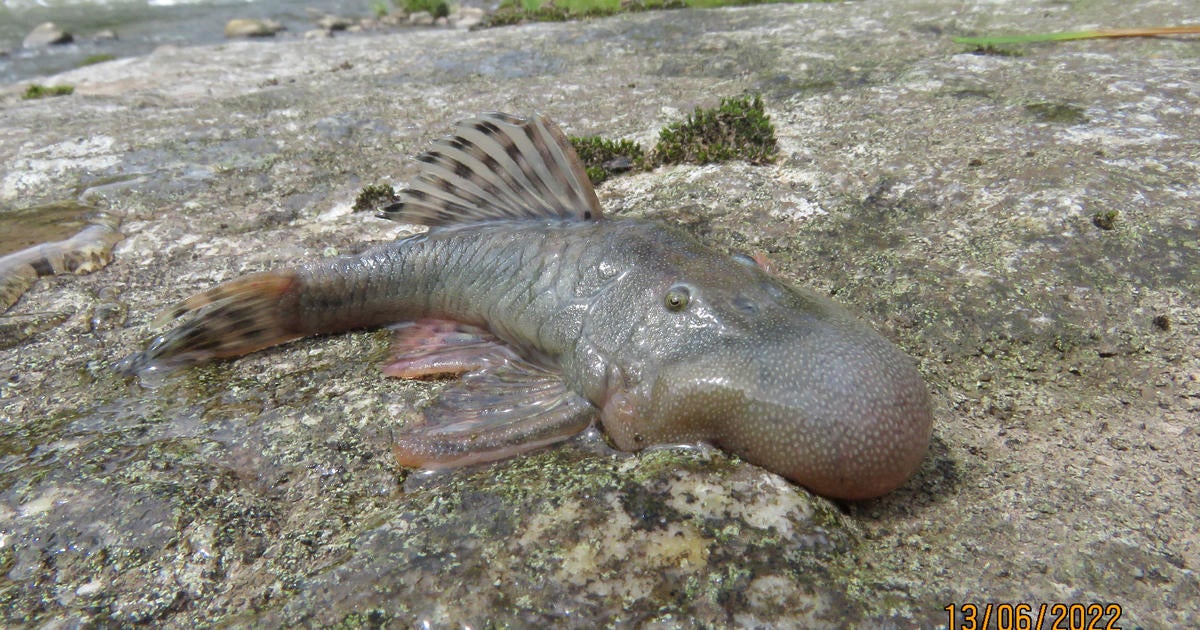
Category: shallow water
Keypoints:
(141, 26)
(40, 224)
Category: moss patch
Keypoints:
(374, 198)
(1105, 220)
(521, 11)
(95, 59)
(37, 90)
(436, 8)
(738, 129)
(603, 157)
(1061, 113)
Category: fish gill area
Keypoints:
(1023, 225)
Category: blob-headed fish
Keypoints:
(556, 317)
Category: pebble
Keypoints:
(46, 34)
(251, 27)
(467, 17)
(421, 18)
(396, 18)
(334, 23)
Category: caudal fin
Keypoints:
(233, 319)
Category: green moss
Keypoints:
(437, 8)
(94, 59)
(1106, 220)
(738, 129)
(374, 198)
(379, 8)
(519, 11)
(603, 157)
(37, 90)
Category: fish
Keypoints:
(88, 250)
(553, 317)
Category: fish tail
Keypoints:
(230, 320)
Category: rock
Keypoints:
(263, 488)
(420, 18)
(251, 27)
(335, 23)
(467, 17)
(107, 35)
(47, 34)
(318, 33)
(399, 17)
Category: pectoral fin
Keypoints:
(436, 347)
(502, 406)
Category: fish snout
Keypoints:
(845, 414)
(837, 409)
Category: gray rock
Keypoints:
(398, 17)
(466, 17)
(251, 27)
(46, 34)
(335, 23)
(420, 18)
(945, 196)
(106, 35)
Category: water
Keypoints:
(141, 26)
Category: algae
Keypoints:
(1060, 113)
(98, 58)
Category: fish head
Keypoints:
(780, 376)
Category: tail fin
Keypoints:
(233, 319)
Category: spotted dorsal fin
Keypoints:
(495, 167)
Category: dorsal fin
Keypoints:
(498, 166)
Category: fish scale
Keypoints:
(555, 317)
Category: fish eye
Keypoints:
(677, 297)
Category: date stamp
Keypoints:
(1045, 616)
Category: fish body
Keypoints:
(88, 250)
(556, 317)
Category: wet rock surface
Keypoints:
(949, 198)
(46, 34)
(251, 27)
